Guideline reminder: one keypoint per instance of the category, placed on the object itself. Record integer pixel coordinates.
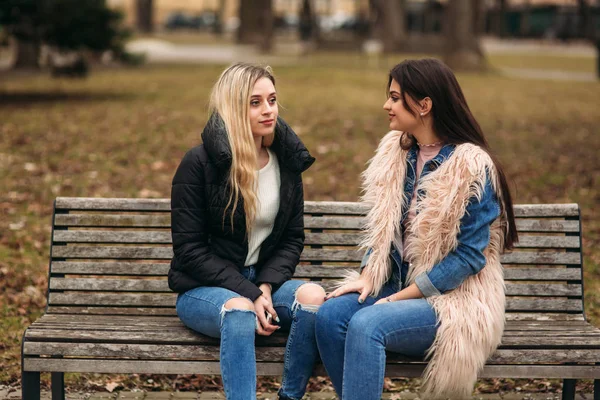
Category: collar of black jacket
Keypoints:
(288, 147)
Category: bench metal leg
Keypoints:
(569, 389)
(58, 386)
(596, 389)
(30, 382)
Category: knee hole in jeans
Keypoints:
(310, 296)
(238, 303)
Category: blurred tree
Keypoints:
(498, 18)
(429, 17)
(256, 23)
(585, 26)
(308, 28)
(144, 15)
(22, 19)
(588, 30)
(463, 50)
(389, 23)
(218, 25)
(62, 24)
(525, 19)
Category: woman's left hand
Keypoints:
(385, 300)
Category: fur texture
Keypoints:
(471, 317)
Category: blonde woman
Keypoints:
(237, 225)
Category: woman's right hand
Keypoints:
(361, 285)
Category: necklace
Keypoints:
(430, 145)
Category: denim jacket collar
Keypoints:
(411, 167)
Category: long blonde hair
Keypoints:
(230, 99)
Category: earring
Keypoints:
(422, 114)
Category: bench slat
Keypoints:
(139, 285)
(512, 319)
(113, 311)
(321, 207)
(338, 239)
(168, 300)
(121, 299)
(512, 333)
(166, 253)
(528, 305)
(414, 370)
(109, 268)
(270, 354)
(182, 335)
(170, 312)
(339, 222)
(533, 273)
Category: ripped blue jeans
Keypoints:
(203, 310)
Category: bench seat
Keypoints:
(110, 309)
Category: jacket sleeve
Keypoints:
(189, 229)
(282, 264)
(468, 258)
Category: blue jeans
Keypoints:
(353, 338)
(202, 309)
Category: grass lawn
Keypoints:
(544, 62)
(122, 132)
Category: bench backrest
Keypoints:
(111, 256)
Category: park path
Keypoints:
(161, 51)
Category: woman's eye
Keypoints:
(254, 103)
(395, 99)
(273, 100)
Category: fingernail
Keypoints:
(277, 319)
(278, 327)
(360, 301)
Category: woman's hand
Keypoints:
(410, 292)
(263, 305)
(362, 286)
(384, 300)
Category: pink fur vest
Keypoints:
(471, 317)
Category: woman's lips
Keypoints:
(267, 122)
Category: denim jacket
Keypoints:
(468, 258)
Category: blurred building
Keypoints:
(163, 9)
(521, 18)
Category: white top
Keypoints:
(267, 192)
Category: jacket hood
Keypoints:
(288, 147)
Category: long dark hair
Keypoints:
(453, 121)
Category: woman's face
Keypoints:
(263, 108)
(400, 118)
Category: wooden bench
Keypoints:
(110, 310)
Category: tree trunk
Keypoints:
(218, 26)
(144, 15)
(390, 23)
(501, 18)
(429, 17)
(479, 12)
(256, 23)
(27, 54)
(525, 17)
(585, 28)
(463, 51)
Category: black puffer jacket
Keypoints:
(206, 250)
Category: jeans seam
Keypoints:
(287, 352)
(225, 384)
